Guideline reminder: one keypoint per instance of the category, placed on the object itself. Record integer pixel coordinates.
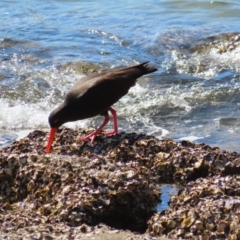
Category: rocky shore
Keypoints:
(80, 191)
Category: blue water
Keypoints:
(38, 37)
(167, 192)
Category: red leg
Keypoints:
(92, 135)
(115, 122)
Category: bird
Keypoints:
(94, 95)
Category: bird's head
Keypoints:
(55, 119)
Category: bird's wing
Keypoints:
(107, 87)
(99, 74)
(101, 92)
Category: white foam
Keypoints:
(22, 115)
(190, 138)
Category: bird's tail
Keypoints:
(146, 69)
(137, 71)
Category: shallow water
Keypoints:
(167, 190)
(38, 38)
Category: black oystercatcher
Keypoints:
(94, 95)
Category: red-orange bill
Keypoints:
(50, 140)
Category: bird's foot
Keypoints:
(112, 133)
(93, 135)
(90, 137)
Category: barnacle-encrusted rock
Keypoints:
(73, 185)
(205, 209)
(116, 181)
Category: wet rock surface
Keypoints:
(80, 67)
(208, 56)
(116, 182)
(222, 43)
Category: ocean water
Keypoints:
(38, 38)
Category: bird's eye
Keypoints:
(56, 120)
